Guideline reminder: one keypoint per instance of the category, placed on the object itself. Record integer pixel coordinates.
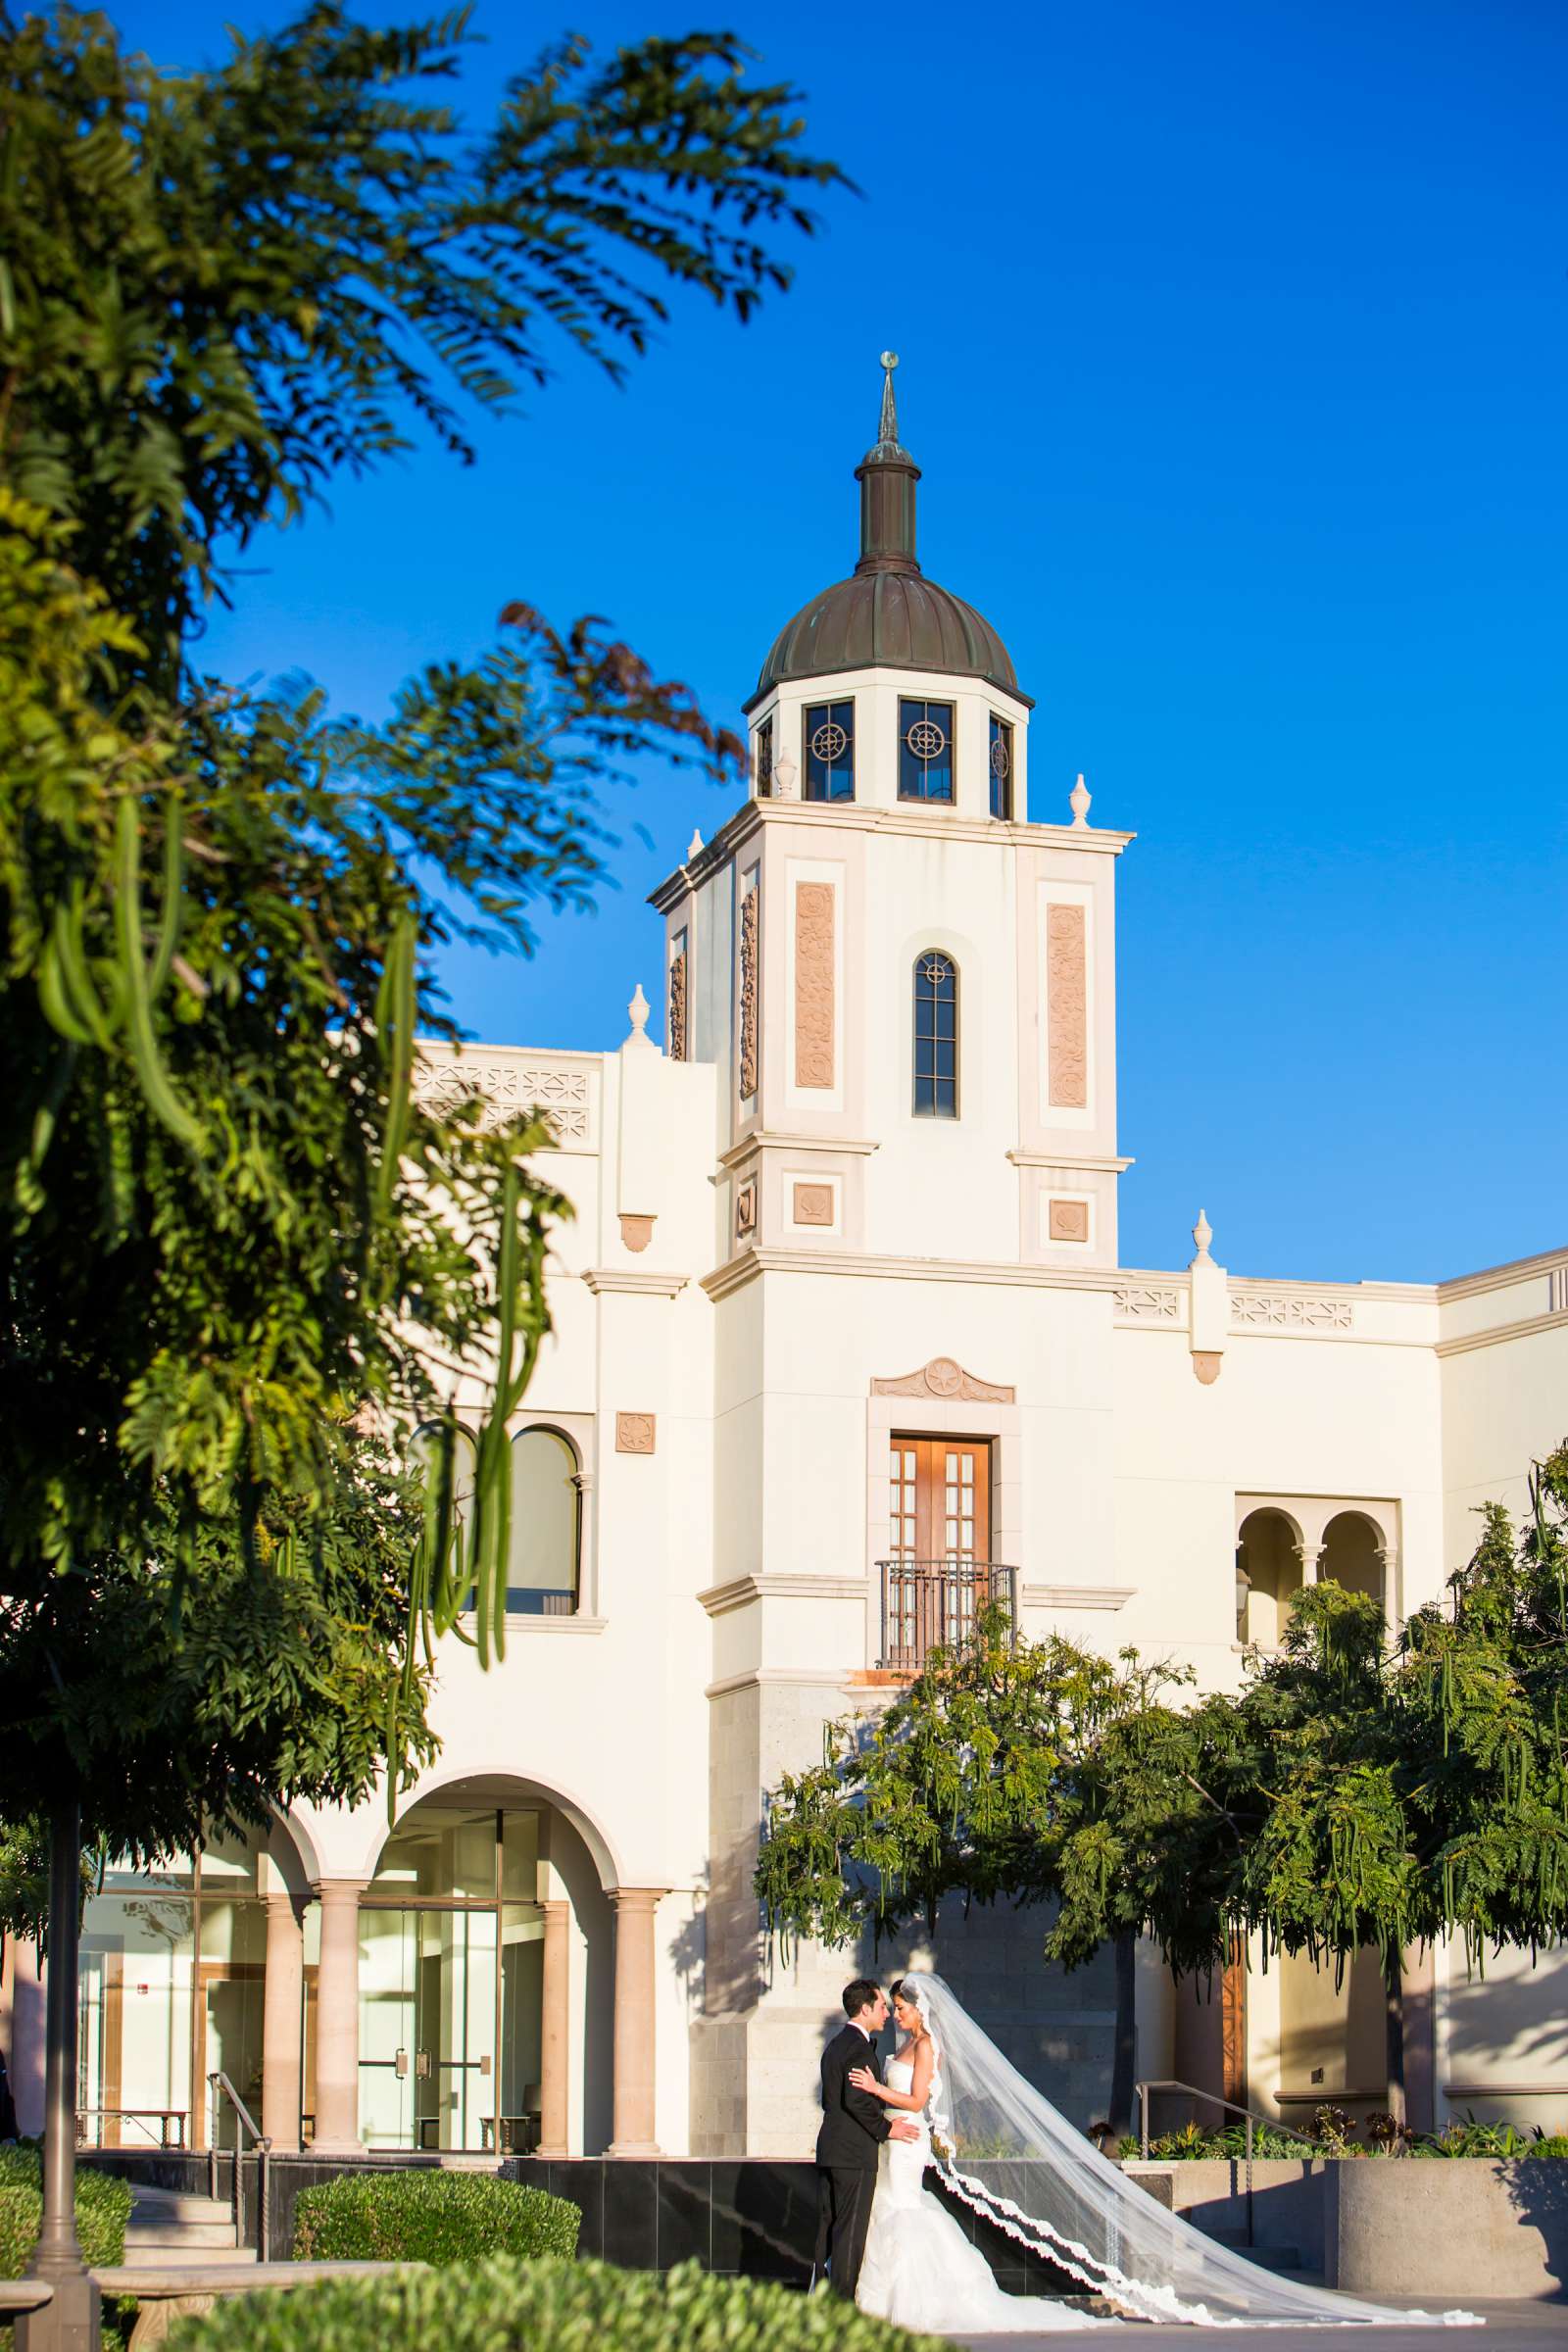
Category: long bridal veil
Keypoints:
(1049, 2187)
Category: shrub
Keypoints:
(102, 2208)
(431, 2217)
(577, 2307)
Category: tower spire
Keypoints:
(887, 476)
(888, 435)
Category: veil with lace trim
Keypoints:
(1050, 2188)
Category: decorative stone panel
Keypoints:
(509, 1091)
(746, 1211)
(815, 985)
(1068, 1006)
(1068, 1220)
(749, 988)
(1139, 1302)
(813, 1205)
(1270, 1311)
(634, 1433)
(944, 1378)
(636, 1232)
(676, 1026)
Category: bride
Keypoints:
(1054, 2193)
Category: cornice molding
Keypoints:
(1499, 1333)
(1101, 1160)
(771, 1139)
(741, 1591)
(767, 1259)
(1075, 1597)
(1501, 1278)
(633, 1281)
(797, 1678)
(859, 817)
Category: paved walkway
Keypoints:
(1513, 2327)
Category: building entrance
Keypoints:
(450, 1984)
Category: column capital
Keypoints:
(638, 1899)
(338, 1890)
(1309, 1554)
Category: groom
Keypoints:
(853, 2128)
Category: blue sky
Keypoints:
(1234, 343)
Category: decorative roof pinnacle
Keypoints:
(889, 429)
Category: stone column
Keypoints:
(337, 2020)
(555, 2043)
(281, 2018)
(636, 1908)
(25, 2056)
(1310, 1556)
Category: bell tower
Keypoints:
(908, 985)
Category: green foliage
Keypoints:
(431, 2217)
(224, 287)
(511, 2307)
(238, 1259)
(103, 2209)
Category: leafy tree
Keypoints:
(235, 1247)
(990, 1776)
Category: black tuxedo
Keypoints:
(853, 2127)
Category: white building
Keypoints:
(843, 1290)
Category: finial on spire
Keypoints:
(1078, 800)
(639, 1009)
(1203, 1234)
(889, 430)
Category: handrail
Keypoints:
(1231, 2107)
(245, 2121)
(926, 1602)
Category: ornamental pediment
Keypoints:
(946, 1380)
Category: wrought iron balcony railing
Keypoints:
(927, 1603)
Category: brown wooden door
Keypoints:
(940, 1511)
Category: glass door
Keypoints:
(387, 2037)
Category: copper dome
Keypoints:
(893, 620)
(888, 615)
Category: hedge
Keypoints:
(102, 2208)
(431, 2217)
(570, 2307)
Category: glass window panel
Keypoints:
(764, 758)
(519, 1856)
(134, 2017)
(437, 1851)
(542, 1559)
(178, 1870)
(926, 751)
(936, 1022)
(830, 751)
(229, 1864)
(1001, 764)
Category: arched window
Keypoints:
(465, 1461)
(935, 1036)
(542, 1556)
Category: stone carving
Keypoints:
(815, 984)
(944, 1378)
(636, 1232)
(677, 1005)
(509, 1091)
(749, 913)
(813, 1205)
(746, 1211)
(1268, 1311)
(1068, 1221)
(634, 1433)
(1068, 1006)
(1142, 1304)
(1205, 1364)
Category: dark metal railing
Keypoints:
(927, 1603)
(244, 2121)
(170, 2122)
(1253, 2122)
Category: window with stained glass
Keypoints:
(935, 1036)
(1001, 767)
(764, 758)
(926, 751)
(830, 751)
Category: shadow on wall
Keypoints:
(591, 1912)
(1538, 2191)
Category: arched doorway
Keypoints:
(1354, 1555)
(484, 1985)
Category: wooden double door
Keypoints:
(938, 1572)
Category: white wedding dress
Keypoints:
(920, 2271)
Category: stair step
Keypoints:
(176, 2205)
(181, 2234)
(140, 2256)
(1267, 2257)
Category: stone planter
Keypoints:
(1447, 2232)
